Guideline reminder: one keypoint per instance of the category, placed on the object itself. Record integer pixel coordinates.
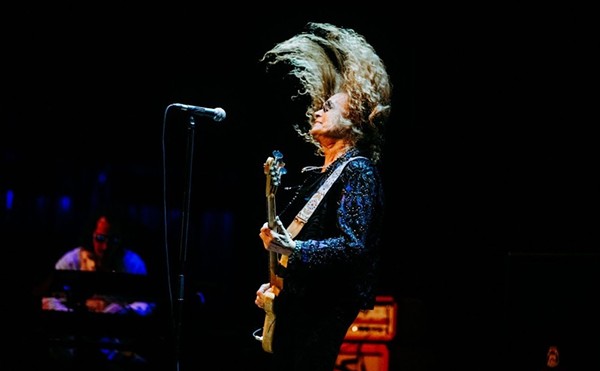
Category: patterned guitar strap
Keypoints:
(302, 217)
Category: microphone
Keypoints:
(217, 114)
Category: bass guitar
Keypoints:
(273, 169)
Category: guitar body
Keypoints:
(269, 324)
(273, 169)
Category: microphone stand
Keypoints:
(184, 234)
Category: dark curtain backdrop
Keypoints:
(489, 154)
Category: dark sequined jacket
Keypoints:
(337, 256)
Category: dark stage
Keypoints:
(488, 167)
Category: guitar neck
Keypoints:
(271, 212)
(273, 256)
(273, 169)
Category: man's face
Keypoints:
(102, 238)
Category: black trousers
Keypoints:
(308, 335)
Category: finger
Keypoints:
(259, 301)
(279, 222)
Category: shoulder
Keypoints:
(69, 260)
(359, 162)
(362, 176)
(133, 262)
(73, 253)
(361, 165)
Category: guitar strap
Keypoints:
(302, 217)
(294, 228)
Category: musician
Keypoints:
(104, 254)
(328, 265)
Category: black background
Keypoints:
(489, 154)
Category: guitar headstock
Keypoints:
(274, 169)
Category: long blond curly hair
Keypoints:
(327, 60)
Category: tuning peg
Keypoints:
(278, 155)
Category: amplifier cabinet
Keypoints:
(362, 357)
(377, 324)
